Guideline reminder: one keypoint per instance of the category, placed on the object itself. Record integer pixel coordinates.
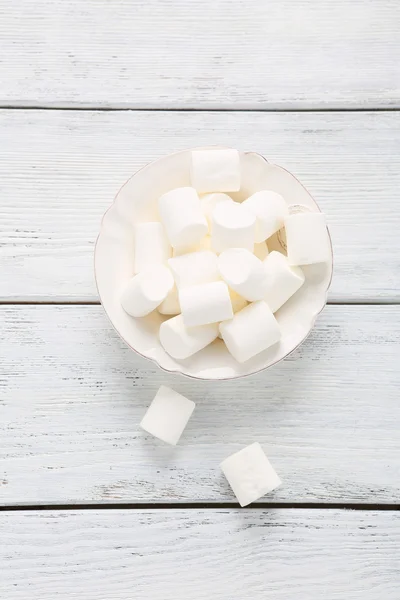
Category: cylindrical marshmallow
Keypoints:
(261, 250)
(270, 210)
(151, 246)
(183, 219)
(181, 342)
(251, 331)
(307, 238)
(282, 280)
(145, 291)
(204, 304)
(210, 201)
(170, 306)
(167, 415)
(215, 170)
(250, 474)
(195, 268)
(204, 244)
(233, 226)
(244, 273)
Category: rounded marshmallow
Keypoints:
(195, 268)
(250, 474)
(270, 210)
(183, 219)
(168, 415)
(244, 273)
(251, 331)
(170, 306)
(282, 280)
(180, 342)
(204, 244)
(233, 226)
(261, 250)
(215, 170)
(145, 291)
(151, 246)
(210, 201)
(307, 238)
(204, 304)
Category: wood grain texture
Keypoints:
(72, 396)
(59, 170)
(201, 554)
(179, 54)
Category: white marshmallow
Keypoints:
(168, 415)
(307, 238)
(204, 304)
(250, 474)
(270, 210)
(151, 246)
(251, 331)
(210, 201)
(215, 170)
(181, 342)
(233, 226)
(170, 306)
(261, 250)
(183, 219)
(282, 280)
(244, 273)
(145, 291)
(195, 268)
(204, 244)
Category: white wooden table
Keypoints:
(91, 507)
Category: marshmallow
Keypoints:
(282, 280)
(204, 304)
(145, 291)
(168, 415)
(210, 201)
(183, 219)
(151, 246)
(170, 306)
(181, 342)
(307, 238)
(215, 170)
(204, 244)
(270, 210)
(244, 273)
(251, 331)
(232, 226)
(195, 268)
(261, 250)
(250, 474)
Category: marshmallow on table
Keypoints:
(168, 415)
(307, 238)
(282, 280)
(250, 474)
(195, 268)
(170, 306)
(210, 201)
(215, 170)
(151, 246)
(181, 342)
(205, 304)
(261, 250)
(204, 244)
(244, 273)
(182, 217)
(270, 210)
(145, 291)
(233, 226)
(251, 331)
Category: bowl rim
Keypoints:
(153, 360)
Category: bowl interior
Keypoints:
(137, 202)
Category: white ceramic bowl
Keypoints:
(137, 202)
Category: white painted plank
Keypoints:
(72, 396)
(201, 554)
(59, 170)
(179, 54)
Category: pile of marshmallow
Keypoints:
(206, 263)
